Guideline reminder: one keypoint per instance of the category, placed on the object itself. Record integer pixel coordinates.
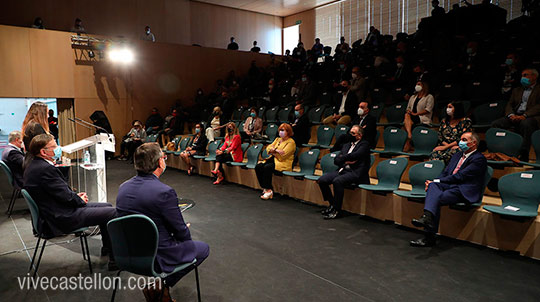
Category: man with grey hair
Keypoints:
(523, 110)
(462, 181)
(13, 156)
(146, 194)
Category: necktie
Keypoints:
(461, 160)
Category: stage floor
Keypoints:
(279, 250)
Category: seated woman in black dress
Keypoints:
(197, 146)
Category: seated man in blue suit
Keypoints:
(13, 156)
(354, 163)
(61, 209)
(462, 181)
(145, 194)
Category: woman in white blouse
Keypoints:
(419, 109)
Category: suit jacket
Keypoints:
(302, 130)
(369, 125)
(145, 194)
(351, 104)
(56, 201)
(199, 146)
(360, 154)
(533, 104)
(14, 158)
(470, 176)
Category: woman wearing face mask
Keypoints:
(252, 125)
(135, 137)
(453, 125)
(197, 146)
(419, 110)
(231, 150)
(281, 153)
(217, 123)
(35, 123)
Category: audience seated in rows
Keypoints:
(369, 129)
(196, 146)
(231, 150)
(345, 106)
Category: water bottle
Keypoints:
(86, 157)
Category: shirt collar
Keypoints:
(10, 144)
(530, 87)
(466, 155)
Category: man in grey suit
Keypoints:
(523, 110)
(13, 157)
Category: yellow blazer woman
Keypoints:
(284, 153)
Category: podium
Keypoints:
(93, 175)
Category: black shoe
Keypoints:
(424, 222)
(111, 266)
(327, 210)
(333, 214)
(423, 242)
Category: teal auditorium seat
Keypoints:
(134, 241)
(270, 132)
(503, 141)
(418, 174)
(307, 162)
(252, 155)
(535, 141)
(395, 115)
(324, 138)
(183, 145)
(315, 114)
(338, 131)
(237, 114)
(485, 114)
(151, 138)
(394, 140)
(376, 111)
(271, 115)
(15, 192)
(327, 165)
(389, 175)
(175, 142)
(283, 115)
(518, 190)
(212, 150)
(424, 140)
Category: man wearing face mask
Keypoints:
(367, 122)
(301, 126)
(523, 110)
(353, 163)
(358, 84)
(154, 122)
(13, 157)
(148, 35)
(61, 209)
(462, 181)
(345, 106)
(146, 194)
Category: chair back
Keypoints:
(245, 114)
(253, 154)
(271, 131)
(485, 114)
(419, 173)
(521, 190)
(487, 177)
(371, 160)
(212, 147)
(184, 143)
(389, 171)
(396, 113)
(271, 114)
(244, 147)
(424, 140)
(134, 240)
(283, 114)
(241, 126)
(327, 162)
(34, 210)
(328, 111)
(325, 135)
(326, 98)
(237, 114)
(151, 138)
(340, 130)
(376, 111)
(394, 139)
(261, 112)
(175, 141)
(504, 141)
(315, 114)
(265, 154)
(308, 160)
(7, 171)
(535, 141)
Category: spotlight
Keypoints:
(91, 54)
(121, 55)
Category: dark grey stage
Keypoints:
(281, 250)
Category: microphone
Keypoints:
(92, 125)
(80, 124)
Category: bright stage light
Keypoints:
(123, 55)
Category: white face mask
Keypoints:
(360, 111)
(450, 111)
(399, 65)
(417, 88)
(354, 76)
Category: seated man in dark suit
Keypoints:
(523, 110)
(354, 163)
(301, 126)
(462, 181)
(345, 106)
(61, 209)
(145, 194)
(368, 124)
(13, 156)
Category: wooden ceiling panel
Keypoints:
(280, 8)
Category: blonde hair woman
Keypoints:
(231, 150)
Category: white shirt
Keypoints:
(10, 144)
(343, 100)
(466, 155)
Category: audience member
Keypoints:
(281, 156)
(462, 181)
(154, 122)
(353, 162)
(13, 157)
(77, 27)
(35, 123)
(452, 127)
(299, 53)
(217, 122)
(61, 210)
(53, 124)
(523, 110)
(419, 110)
(145, 194)
(342, 47)
(345, 106)
(148, 35)
(367, 122)
(232, 45)
(231, 150)
(135, 137)
(255, 48)
(358, 84)
(511, 78)
(437, 10)
(253, 125)
(38, 23)
(317, 48)
(197, 146)
(307, 90)
(173, 126)
(301, 126)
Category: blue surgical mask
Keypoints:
(463, 146)
(509, 62)
(57, 153)
(525, 82)
(296, 113)
(197, 130)
(304, 79)
(253, 114)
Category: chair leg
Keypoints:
(115, 286)
(12, 202)
(82, 248)
(39, 259)
(198, 286)
(34, 256)
(87, 253)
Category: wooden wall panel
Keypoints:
(15, 68)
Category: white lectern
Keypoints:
(96, 145)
